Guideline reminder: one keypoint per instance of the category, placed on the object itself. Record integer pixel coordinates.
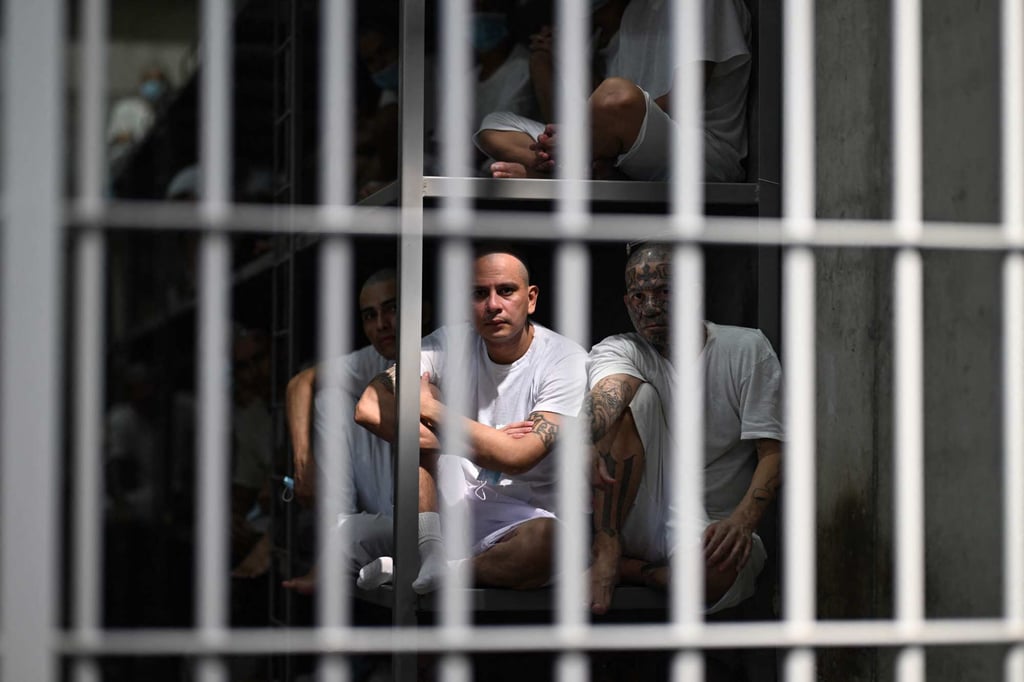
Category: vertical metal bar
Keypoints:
(92, 89)
(572, 112)
(335, 296)
(1012, 25)
(687, 194)
(336, 264)
(212, 380)
(1012, 71)
(89, 355)
(216, 36)
(216, 31)
(799, 512)
(687, 333)
(337, 83)
(909, 408)
(410, 260)
(688, 666)
(573, 276)
(687, 464)
(88, 405)
(455, 287)
(573, 667)
(456, 217)
(30, 357)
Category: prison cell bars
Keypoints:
(31, 193)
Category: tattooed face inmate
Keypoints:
(648, 286)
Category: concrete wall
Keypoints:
(962, 318)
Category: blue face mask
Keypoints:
(386, 78)
(489, 29)
(152, 89)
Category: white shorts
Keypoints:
(648, 532)
(493, 513)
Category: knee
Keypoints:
(536, 544)
(616, 99)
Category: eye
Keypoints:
(390, 307)
(506, 291)
(479, 294)
(368, 315)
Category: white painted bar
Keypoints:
(88, 434)
(336, 309)
(572, 112)
(687, 193)
(337, 82)
(1013, 437)
(30, 355)
(799, 510)
(216, 38)
(572, 315)
(213, 421)
(1011, 68)
(456, 116)
(91, 176)
(686, 593)
(688, 666)
(800, 666)
(906, 85)
(909, 408)
(456, 278)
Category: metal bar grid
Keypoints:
(910, 628)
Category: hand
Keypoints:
(517, 429)
(546, 143)
(428, 439)
(727, 544)
(430, 398)
(543, 40)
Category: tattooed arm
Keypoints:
(605, 404)
(727, 543)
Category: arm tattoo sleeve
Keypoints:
(604, 405)
(546, 429)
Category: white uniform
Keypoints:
(641, 52)
(550, 377)
(366, 484)
(742, 396)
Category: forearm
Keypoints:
(764, 484)
(375, 410)
(298, 402)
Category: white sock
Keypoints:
(376, 573)
(432, 561)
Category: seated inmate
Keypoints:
(631, 108)
(629, 408)
(520, 375)
(365, 482)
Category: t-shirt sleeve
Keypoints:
(350, 373)
(726, 34)
(432, 355)
(614, 355)
(564, 384)
(761, 397)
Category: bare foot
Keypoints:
(256, 562)
(508, 169)
(604, 571)
(304, 584)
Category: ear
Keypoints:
(531, 294)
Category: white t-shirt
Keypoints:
(742, 400)
(367, 485)
(507, 89)
(550, 377)
(641, 51)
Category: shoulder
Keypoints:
(742, 342)
(557, 352)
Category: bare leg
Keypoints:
(623, 455)
(256, 562)
(521, 560)
(617, 110)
